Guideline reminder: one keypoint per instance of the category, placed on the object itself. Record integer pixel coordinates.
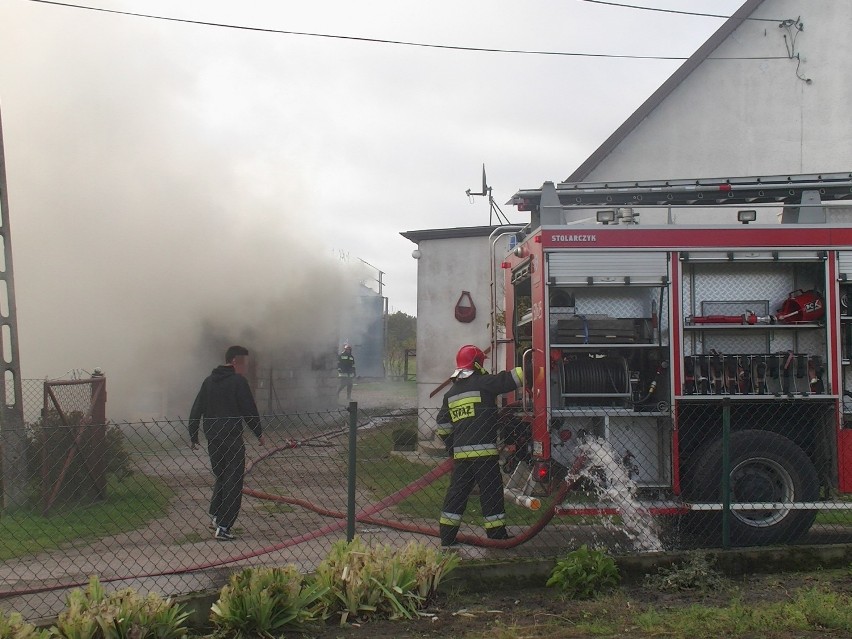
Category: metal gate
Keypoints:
(73, 439)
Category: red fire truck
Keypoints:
(714, 334)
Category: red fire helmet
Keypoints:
(469, 355)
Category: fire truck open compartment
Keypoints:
(648, 338)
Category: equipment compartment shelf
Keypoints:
(745, 397)
(605, 411)
(749, 327)
(594, 346)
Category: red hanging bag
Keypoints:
(465, 313)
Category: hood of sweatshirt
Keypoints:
(222, 372)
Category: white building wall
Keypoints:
(447, 267)
(753, 117)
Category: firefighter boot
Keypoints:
(498, 533)
(448, 535)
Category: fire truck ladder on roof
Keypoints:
(808, 191)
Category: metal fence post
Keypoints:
(350, 496)
(726, 472)
(13, 437)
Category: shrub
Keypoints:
(266, 602)
(405, 439)
(13, 626)
(383, 581)
(584, 573)
(694, 574)
(123, 614)
(48, 441)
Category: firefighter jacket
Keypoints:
(345, 365)
(469, 412)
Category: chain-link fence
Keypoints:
(630, 483)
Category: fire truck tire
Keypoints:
(765, 467)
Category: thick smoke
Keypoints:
(151, 226)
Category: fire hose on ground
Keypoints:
(366, 515)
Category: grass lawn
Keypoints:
(129, 503)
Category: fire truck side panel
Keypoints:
(836, 466)
(587, 380)
(525, 335)
(676, 366)
(766, 371)
(655, 337)
(844, 446)
(539, 355)
(845, 352)
(607, 337)
(840, 306)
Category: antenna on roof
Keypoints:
(493, 209)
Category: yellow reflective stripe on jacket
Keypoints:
(518, 375)
(463, 406)
(477, 450)
(444, 429)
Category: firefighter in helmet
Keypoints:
(345, 371)
(468, 419)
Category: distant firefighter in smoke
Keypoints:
(345, 371)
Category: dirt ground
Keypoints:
(539, 612)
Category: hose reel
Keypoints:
(595, 378)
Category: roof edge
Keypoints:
(450, 233)
(674, 80)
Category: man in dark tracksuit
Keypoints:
(223, 402)
(470, 408)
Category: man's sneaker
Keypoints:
(223, 534)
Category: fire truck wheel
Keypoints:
(765, 468)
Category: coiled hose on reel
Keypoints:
(605, 376)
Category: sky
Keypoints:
(169, 181)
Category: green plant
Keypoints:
(823, 609)
(117, 457)
(13, 626)
(49, 441)
(430, 566)
(381, 581)
(266, 602)
(584, 573)
(694, 574)
(124, 614)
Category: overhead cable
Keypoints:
(396, 42)
(683, 13)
